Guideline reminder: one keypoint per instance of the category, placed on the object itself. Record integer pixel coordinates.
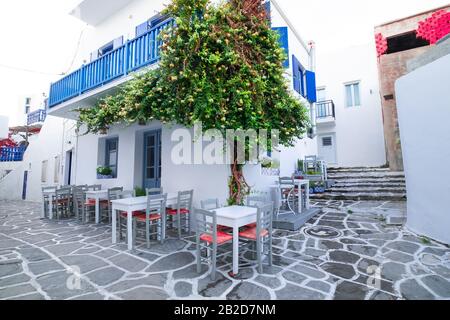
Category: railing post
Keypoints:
(125, 58)
(81, 80)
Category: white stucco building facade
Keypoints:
(63, 156)
(351, 135)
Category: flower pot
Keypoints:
(102, 176)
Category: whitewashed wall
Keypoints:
(423, 104)
(359, 130)
(4, 127)
(56, 137)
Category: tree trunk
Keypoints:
(238, 187)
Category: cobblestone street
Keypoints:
(346, 252)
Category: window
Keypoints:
(327, 141)
(352, 95)
(149, 24)
(111, 155)
(299, 76)
(57, 167)
(321, 95)
(44, 171)
(406, 41)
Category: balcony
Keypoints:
(36, 117)
(325, 111)
(10, 154)
(135, 54)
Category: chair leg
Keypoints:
(179, 225)
(199, 256)
(259, 255)
(270, 252)
(134, 231)
(214, 262)
(147, 232)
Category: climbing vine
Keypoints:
(221, 65)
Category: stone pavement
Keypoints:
(346, 252)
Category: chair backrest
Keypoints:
(114, 193)
(95, 187)
(156, 204)
(185, 199)
(286, 181)
(63, 193)
(264, 218)
(79, 195)
(206, 223)
(127, 194)
(210, 204)
(255, 201)
(154, 191)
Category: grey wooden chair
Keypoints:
(210, 204)
(151, 222)
(82, 207)
(182, 211)
(255, 201)
(113, 194)
(94, 187)
(154, 191)
(209, 239)
(62, 202)
(261, 235)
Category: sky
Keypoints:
(39, 38)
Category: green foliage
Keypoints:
(105, 171)
(140, 192)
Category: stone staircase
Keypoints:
(363, 183)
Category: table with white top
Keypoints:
(236, 217)
(129, 205)
(98, 196)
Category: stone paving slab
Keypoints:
(346, 252)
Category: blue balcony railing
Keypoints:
(133, 55)
(10, 154)
(36, 116)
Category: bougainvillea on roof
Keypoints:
(381, 44)
(434, 27)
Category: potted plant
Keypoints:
(104, 173)
(140, 192)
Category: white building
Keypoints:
(140, 155)
(350, 121)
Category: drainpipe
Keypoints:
(312, 67)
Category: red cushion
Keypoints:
(153, 217)
(251, 225)
(222, 237)
(135, 213)
(90, 202)
(222, 228)
(251, 233)
(173, 212)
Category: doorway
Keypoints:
(152, 159)
(68, 168)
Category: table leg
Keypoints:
(235, 250)
(97, 210)
(130, 230)
(43, 210)
(114, 225)
(163, 231)
(300, 199)
(307, 196)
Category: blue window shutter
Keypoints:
(295, 73)
(268, 11)
(141, 29)
(284, 42)
(311, 92)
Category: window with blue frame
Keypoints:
(111, 155)
(149, 24)
(304, 80)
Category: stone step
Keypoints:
(366, 175)
(363, 184)
(396, 189)
(357, 169)
(360, 196)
